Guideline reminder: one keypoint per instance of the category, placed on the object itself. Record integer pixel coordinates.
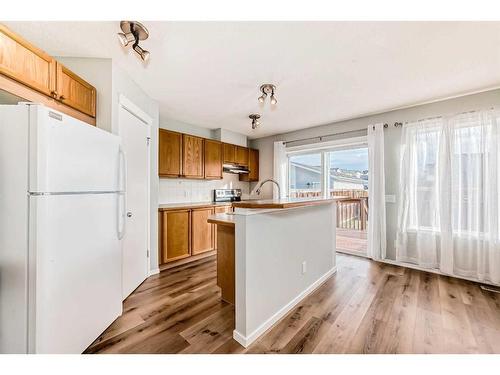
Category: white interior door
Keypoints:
(134, 132)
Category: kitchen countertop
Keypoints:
(285, 203)
(222, 219)
(171, 206)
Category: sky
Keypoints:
(354, 159)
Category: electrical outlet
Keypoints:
(304, 267)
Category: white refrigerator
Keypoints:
(61, 220)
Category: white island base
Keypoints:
(282, 255)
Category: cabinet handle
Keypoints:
(53, 94)
(62, 97)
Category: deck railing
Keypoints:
(352, 211)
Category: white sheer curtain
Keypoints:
(280, 169)
(376, 193)
(448, 212)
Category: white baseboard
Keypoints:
(154, 272)
(247, 340)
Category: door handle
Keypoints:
(129, 214)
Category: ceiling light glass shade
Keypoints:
(125, 39)
(273, 100)
(143, 53)
(262, 97)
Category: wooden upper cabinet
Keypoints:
(213, 159)
(170, 154)
(74, 91)
(192, 157)
(26, 63)
(253, 166)
(175, 232)
(241, 156)
(202, 235)
(229, 153)
(30, 73)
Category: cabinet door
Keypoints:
(25, 63)
(229, 153)
(175, 230)
(242, 155)
(192, 156)
(253, 166)
(74, 91)
(213, 159)
(201, 231)
(170, 154)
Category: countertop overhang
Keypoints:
(285, 203)
(222, 219)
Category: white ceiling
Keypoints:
(208, 73)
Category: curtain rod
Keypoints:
(320, 137)
(396, 124)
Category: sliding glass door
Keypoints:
(341, 170)
(348, 177)
(305, 174)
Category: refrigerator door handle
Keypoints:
(122, 176)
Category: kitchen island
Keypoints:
(271, 255)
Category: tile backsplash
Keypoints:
(175, 190)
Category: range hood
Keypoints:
(234, 169)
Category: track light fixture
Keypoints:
(133, 32)
(267, 89)
(255, 120)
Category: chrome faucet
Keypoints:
(259, 187)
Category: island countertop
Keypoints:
(285, 203)
(222, 219)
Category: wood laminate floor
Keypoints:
(367, 307)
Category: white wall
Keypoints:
(392, 140)
(230, 137)
(183, 127)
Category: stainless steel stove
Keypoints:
(227, 195)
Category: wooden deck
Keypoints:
(366, 307)
(352, 241)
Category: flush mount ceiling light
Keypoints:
(133, 32)
(267, 89)
(255, 120)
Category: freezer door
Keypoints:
(67, 155)
(75, 258)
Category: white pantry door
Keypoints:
(134, 132)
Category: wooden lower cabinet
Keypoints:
(185, 232)
(202, 236)
(175, 235)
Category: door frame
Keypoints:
(134, 110)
